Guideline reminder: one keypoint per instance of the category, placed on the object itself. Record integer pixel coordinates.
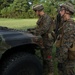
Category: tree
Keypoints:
(23, 8)
(18, 8)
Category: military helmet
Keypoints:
(38, 7)
(68, 6)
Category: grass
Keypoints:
(74, 18)
(18, 23)
(21, 24)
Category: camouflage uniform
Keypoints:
(68, 38)
(44, 27)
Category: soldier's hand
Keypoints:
(32, 32)
(29, 29)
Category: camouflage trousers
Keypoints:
(47, 61)
(65, 66)
(68, 68)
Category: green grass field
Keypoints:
(18, 23)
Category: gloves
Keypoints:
(32, 31)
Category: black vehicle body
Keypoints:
(13, 42)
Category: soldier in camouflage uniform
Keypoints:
(66, 53)
(44, 26)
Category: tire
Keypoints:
(22, 64)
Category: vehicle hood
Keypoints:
(9, 38)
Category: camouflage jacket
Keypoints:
(44, 24)
(68, 38)
(43, 28)
(68, 33)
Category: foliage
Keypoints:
(23, 8)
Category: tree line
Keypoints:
(23, 8)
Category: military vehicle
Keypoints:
(18, 52)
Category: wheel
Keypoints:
(22, 64)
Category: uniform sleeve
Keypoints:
(69, 38)
(69, 35)
(45, 27)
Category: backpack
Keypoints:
(71, 52)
